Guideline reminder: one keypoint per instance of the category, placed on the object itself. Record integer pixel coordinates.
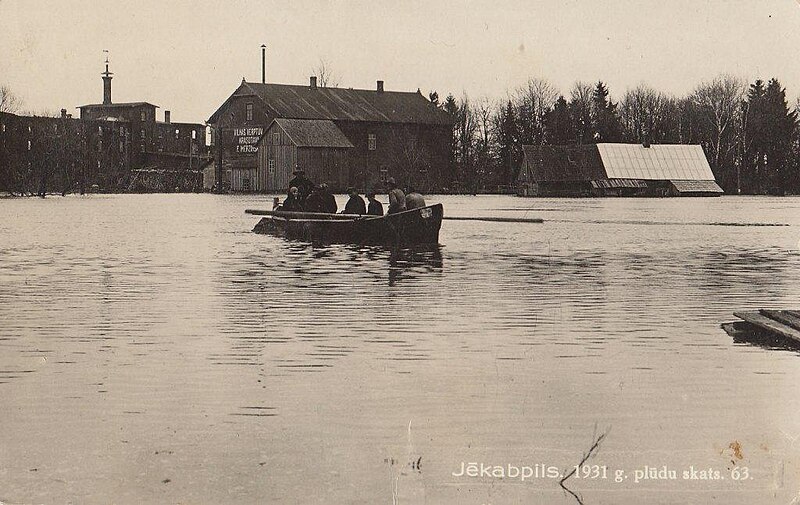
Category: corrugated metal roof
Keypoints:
(340, 104)
(313, 132)
(657, 162)
(696, 186)
(619, 183)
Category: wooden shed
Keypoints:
(316, 146)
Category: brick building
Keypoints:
(350, 137)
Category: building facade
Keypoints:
(389, 133)
(608, 169)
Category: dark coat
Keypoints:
(375, 208)
(291, 204)
(329, 203)
(355, 205)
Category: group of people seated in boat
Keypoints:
(305, 196)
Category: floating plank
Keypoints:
(762, 321)
(496, 219)
(786, 317)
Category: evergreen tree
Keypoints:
(607, 127)
(780, 130)
(508, 148)
(559, 124)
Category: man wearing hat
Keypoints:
(303, 185)
(375, 207)
(355, 205)
(397, 199)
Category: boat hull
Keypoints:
(412, 227)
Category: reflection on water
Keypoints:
(153, 349)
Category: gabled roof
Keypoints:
(593, 162)
(117, 104)
(340, 104)
(662, 161)
(313, 132)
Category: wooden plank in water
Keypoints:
(496, 219)
(768, 324)
(783, 316)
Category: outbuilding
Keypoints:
(609, 169)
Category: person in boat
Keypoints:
(292, 202)
(397, 199)
(414, 200)
(355, 205)
(321, 200)
(328, 200)
(303, 185)
(375, 207)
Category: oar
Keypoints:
(305, 215)
(496, 219)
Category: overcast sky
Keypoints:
(188, 56)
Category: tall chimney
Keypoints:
(380, 86)
(63, 113)
(107, 85)
(313, 82)
(263, 63)
(166, 116)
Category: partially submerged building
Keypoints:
(263, 132)
(616, 170)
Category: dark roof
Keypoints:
(341, 104)
(562, 163)
(313, 132)
(119, 104)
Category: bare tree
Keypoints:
(648, 115)
(326, 77)
(9, 102)
(532, 102)
(719, 105)
(580, 106)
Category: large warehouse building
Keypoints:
(264, 132)
(616, 170)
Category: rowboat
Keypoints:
(411, 227)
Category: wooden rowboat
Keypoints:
(411, 227)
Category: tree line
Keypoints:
(749, 132)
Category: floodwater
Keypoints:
(154, 350)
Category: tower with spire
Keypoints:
(106, 83)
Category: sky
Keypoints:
(189, 56)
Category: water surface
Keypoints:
(154, 350)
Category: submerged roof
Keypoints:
(696, 186)
(341, 104)
(663, 161)
(313, 132)
(675, 162)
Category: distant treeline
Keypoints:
(749, 132)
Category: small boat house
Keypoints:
(616, 170)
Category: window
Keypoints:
(249, 111)
(29, 145)
(143, 115)
(371, 142)
(271, 167)
(100, 130)
(276, 139)
(122, 130)
(384, 175)
(142, 134)
(177, 134)
(246, 184)
(3, 127)
(99, 146)
(121, 146)
(141, 148)
(194, 134)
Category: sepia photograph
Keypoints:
(406, 253)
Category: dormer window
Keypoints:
(250, 111)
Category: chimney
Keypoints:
(166, 116)
(380, 86)
(263, 63)
(63, 113)
(107, 85)
(313, 82)
(646, 142)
